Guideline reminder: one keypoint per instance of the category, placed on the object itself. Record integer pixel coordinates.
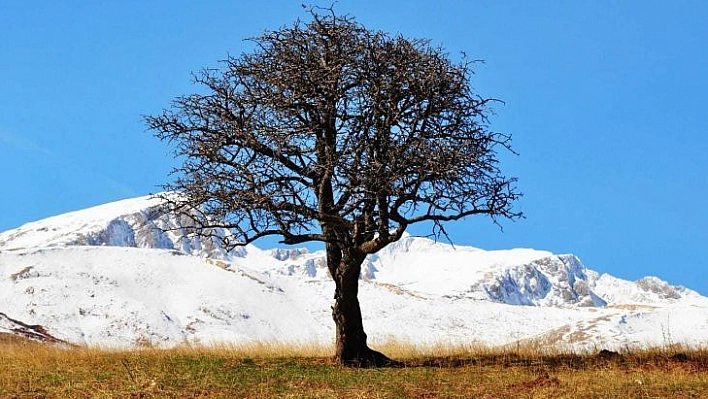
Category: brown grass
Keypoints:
(32, 370)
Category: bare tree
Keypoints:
(328, 131)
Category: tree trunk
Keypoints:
(351, 347)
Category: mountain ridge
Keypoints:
(437, 289)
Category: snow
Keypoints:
(110, 276)
(112, 296)
(72, 227)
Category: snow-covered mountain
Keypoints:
(127, 274)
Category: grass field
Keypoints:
(31, 370)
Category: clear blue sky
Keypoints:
(607, 102)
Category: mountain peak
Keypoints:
(77, 227)
(138, 222)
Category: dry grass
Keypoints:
(31, 370)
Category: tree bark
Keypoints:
(351, 347)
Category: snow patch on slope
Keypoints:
(120, 297)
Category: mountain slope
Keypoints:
(126, 274)
(138, 222)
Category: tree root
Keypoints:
(370, 359)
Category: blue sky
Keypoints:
(606, 101)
